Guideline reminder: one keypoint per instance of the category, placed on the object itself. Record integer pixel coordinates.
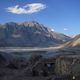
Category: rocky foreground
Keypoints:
(63, 66)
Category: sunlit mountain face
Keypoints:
(75, 42)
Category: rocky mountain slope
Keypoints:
(29, 34)
(75, 42)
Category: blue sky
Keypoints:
(61, 15)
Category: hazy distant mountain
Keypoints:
(29, 34)
(75, 42)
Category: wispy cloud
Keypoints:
(26, 9)
(65, 29)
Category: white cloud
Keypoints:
(27, 9)
(52, 29)
(65, 29)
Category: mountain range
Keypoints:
(29, 34)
